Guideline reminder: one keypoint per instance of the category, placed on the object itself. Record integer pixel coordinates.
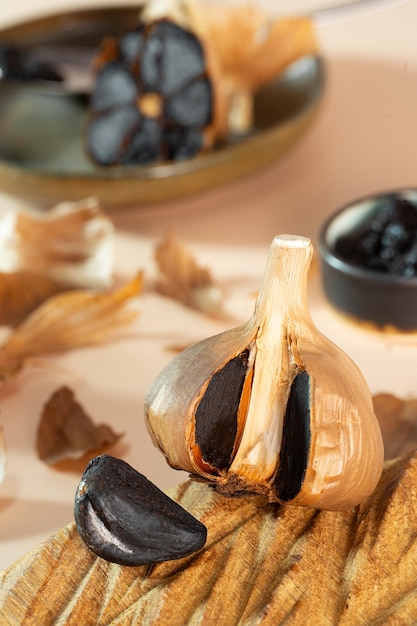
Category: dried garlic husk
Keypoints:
(66, 431)
(69, 320)
(251, 48)
(273, 406)
(183, 279)
(72, 243)
(69, 247)
(23, 291)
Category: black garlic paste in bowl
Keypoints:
(368, 254)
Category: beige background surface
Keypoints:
(363, 141)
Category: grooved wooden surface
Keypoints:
(262, 564)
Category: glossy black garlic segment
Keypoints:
(152, 100)
(296, 439)
(126, 519)
(216, 417)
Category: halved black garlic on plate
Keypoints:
(124, 518)
(153, 100)
(272, 406)
(183, 79)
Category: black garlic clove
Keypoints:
(124, 518)
(296, 440)
(172, 58)
(115, 87)
(108, 134)
(216, 416)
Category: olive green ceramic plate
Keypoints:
(41, 150)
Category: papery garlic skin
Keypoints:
(331, 457)
(346, 453)
(169, 413)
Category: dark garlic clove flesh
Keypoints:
(124, 518)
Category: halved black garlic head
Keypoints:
(183, 79)
(126, 519)
(153, 100)
(272, 406)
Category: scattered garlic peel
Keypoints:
(23, 291)
(69, 320)
(66, 431)
(63, 242)
(70, 246)
(183, 279)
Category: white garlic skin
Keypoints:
(345, 455)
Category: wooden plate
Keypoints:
(41, 153)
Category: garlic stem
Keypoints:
(284, 287)
(282, 299)
(240, 117)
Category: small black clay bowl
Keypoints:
(368, 254)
